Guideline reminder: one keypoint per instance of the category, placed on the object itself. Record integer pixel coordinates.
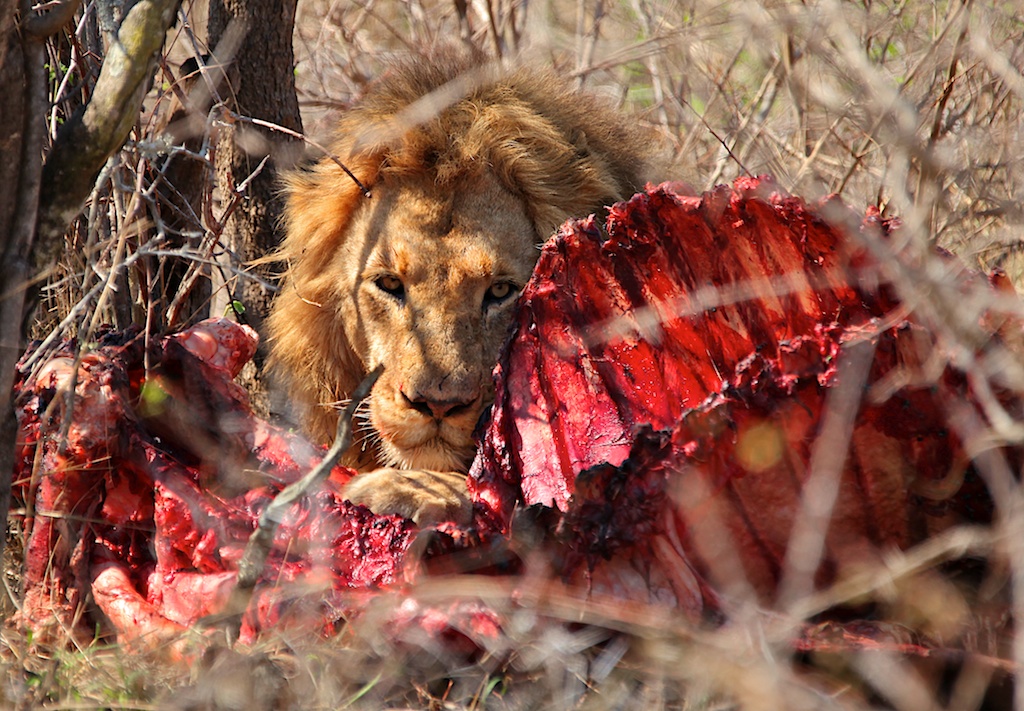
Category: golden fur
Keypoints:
(470, 170)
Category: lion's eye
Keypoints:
(391, 284)
(498, 292)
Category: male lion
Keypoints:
(470, 169)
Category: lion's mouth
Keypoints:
(436, 454)
(408, 440)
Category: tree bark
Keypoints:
(263, 87)
(23, 88)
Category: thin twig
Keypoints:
(302, 137)
(238, 194)
(250, 567)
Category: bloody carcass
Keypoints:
(676, 384)
(144, 503)
(670, 390)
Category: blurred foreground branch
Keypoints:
(250, 567)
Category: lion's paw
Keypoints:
(426, 497)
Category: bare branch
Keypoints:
(262, 539)
(295, 134)
(88, 139)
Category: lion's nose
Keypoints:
(438, 408)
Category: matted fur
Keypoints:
(523, 133)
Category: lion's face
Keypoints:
(426, 283)
(469, 171)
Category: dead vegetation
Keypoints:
(913, 107)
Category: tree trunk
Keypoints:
(262, 84)
(23, 88)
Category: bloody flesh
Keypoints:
(667, 382)
(134, 509)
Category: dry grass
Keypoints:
(908, 105)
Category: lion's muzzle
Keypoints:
(439, 408)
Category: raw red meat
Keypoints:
(667, 383)
(142, 507)
(667, 391)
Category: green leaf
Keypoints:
(152, 398)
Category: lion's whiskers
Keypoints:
(361, 420)
(370, 436)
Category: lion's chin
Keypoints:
(435, 454)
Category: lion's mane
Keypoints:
(564, 152)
